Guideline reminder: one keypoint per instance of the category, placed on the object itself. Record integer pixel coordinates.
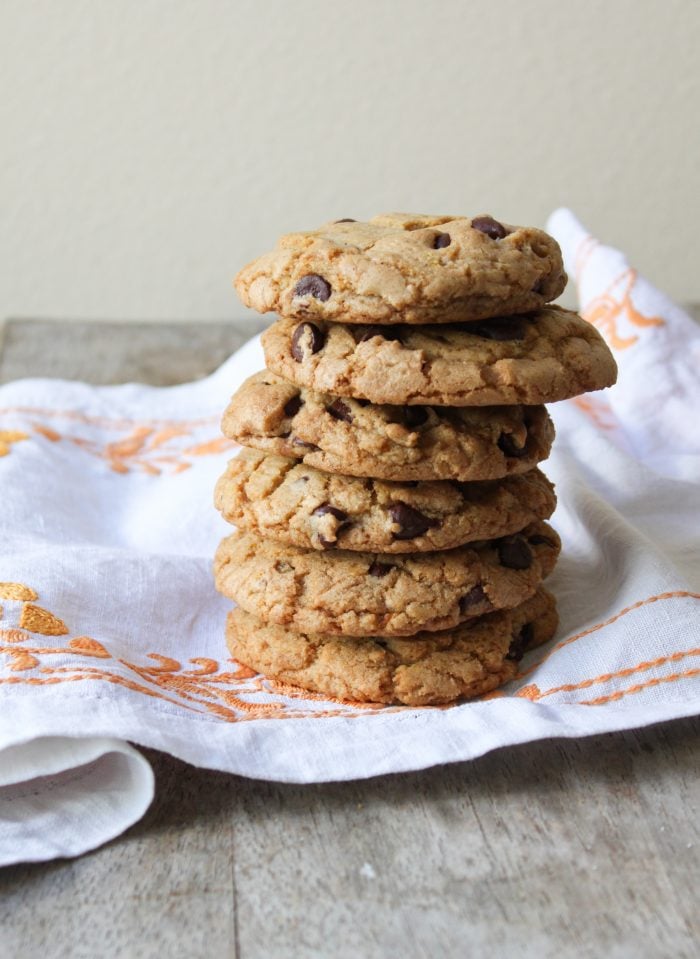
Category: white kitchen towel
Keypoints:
(111, 631)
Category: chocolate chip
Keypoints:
(441, 240)
(292, 407)
(313, 285)
(514, 553)
(472, 598)
(507, 328)
(386, 333)
(308, 446)
(414, 416)
(489, 226)
(346, 219)
(539, 540)
(340, 411)
(540, 285)
(412, 522)
(379, 569)
(517, 648)
(361, 402)
(506, 443)
(306, 337)
(326, 508)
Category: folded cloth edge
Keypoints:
(61, 796)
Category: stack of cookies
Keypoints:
(391, 539)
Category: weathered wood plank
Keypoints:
(158, 353)
(166, 888)
(560, 848)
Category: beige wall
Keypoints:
(151, 147)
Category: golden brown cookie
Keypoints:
(396, 443)
(367, 594)
(291, 502)
(406, 268)
(427, 669)
(539, 357)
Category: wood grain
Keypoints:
(575, 848)
(158, 353)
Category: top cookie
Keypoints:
(406, 268)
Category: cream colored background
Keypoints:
(151, 147)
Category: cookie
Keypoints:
(539, 357)
(293, 503)
(387, 442)
(428, 669)
(405, 268)
(367, 594)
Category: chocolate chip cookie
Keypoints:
(367, 594)
(406, 268)
(539, 357)
(293, 503)
(387, 442)
(427, 669)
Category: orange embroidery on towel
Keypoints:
(8, 438)
(21, 659)
(49, 434)
(640, 687)
(152, 447)
(17, 591)
(120, 423)
(607, 311)
(533, 693)
(13, 636)
(37, 620)
(149, 450)
(233, 695)
(236, 694)
(220, 445)
(88, 647)
(660, 597)
(598, 410)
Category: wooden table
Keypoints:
(562, 848)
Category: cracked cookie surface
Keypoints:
(291, 502)
(540, 357)
(406, 268)
(401, 443)
(364, 594)
(427, 669)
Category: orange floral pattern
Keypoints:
(597, 410)
(8, 437)
(153, 447)
(614, 307)
(202, 686)
(235, 693)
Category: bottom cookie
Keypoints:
(427, 669)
